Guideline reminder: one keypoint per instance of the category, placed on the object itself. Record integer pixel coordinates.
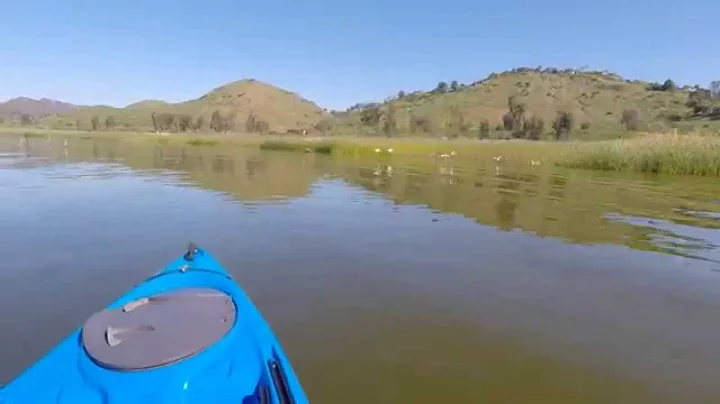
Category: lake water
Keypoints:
(387, 280)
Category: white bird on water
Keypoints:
(390, 150)
(498, 158)
(377, 150)
(534, 162)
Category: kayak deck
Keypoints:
(189, 334)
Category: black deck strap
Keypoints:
(280, 381)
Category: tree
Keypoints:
(715, 90)
(631, 119)
(420, 124)
(700, 100)
(563, 125)
(669, 85)
(455, 124)
(110, 122)
(655, 87)
(507, 121)
(371, 116)
(251, 122)
(517, 114)
(534, 128)
(184, 123)
(401, 94)
(229, 122)
(715, 114)
(442, 87)
(216, 122)
(324, 126)
(454, 86)
(390, 124)
(165, 122)
(199, 123)
(26, 119)
(95, 122)
(484, 129)
(77, 124)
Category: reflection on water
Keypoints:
(673, 238)
(574, 206)
(400, 281)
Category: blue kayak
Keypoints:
(189, 334)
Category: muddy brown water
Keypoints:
(388, 280)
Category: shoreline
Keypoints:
(656, 153)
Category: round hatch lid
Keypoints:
(158, 330)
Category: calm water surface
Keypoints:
(387, 280)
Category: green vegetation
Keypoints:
(298, 146)
(33, 135)
(519, 115)
(674, 154)
(201, 142)
(659, 154)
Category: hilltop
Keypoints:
(598, 104)
(24, 108)
(228, 107)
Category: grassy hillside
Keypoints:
(592, 105)
(596, 101)
(281, 110)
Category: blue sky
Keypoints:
(337, 53)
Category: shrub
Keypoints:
(631, 119)
(534, 128)
(110, 122)
(484, 129)
(371, 116)
(390, 124)
(563, 125)
(420, 124)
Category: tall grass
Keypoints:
(201, 142)
(658, 153)
(298, 146)
(34, 134)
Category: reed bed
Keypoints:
(657, 153)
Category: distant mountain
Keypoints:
(279, 110)
(35, 108)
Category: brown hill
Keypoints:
(17, 107)
(281, 110)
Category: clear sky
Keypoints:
(341, 52)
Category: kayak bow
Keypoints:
(189, 334)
